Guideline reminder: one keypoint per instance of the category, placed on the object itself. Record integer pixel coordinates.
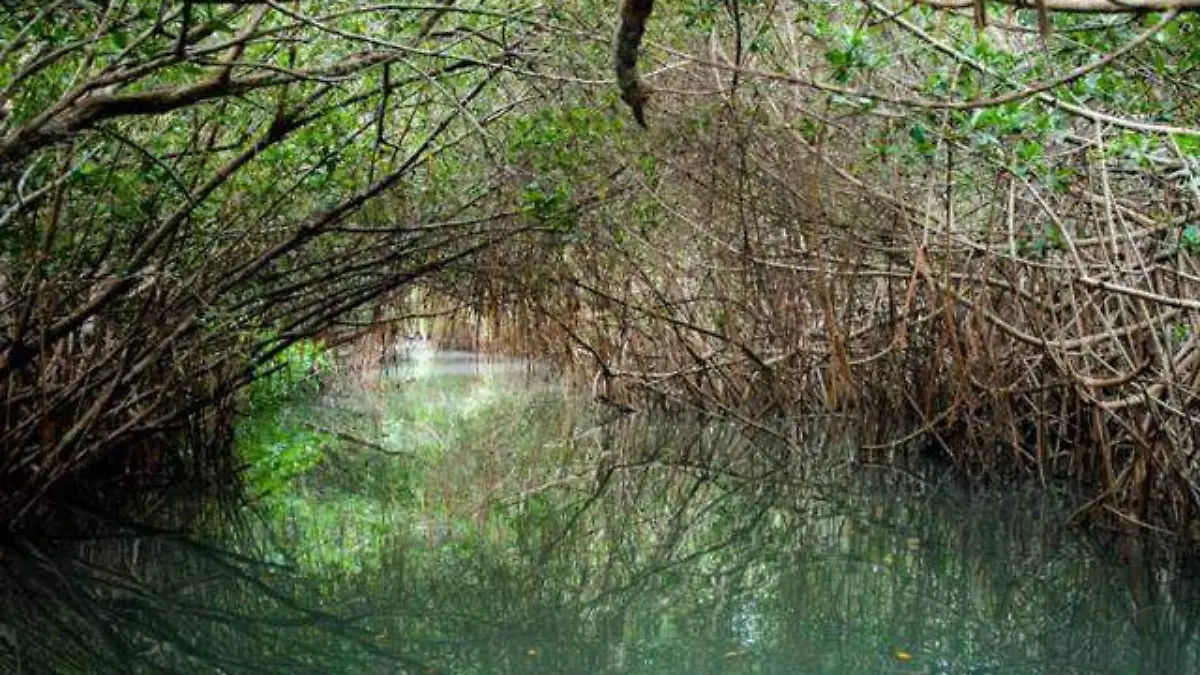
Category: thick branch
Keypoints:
(90, 110)
(634, 14)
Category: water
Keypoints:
(496, 525)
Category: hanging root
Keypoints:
(633, 25)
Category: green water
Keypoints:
(473, 519)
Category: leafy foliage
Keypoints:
(186, 189)
(272, 438)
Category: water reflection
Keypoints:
(418, 359)
(633, 546)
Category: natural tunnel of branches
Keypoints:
(967, 230)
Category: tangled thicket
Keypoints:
(187, 188)
(970, 230)
(979, 244)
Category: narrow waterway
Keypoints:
(469, 515)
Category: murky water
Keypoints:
(484, 522)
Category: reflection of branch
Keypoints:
(204, 608)
(534, 491)
(674, 539)
(352, 439)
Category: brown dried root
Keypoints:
(629, 36)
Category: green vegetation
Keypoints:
(796, 268)
(191, 188)
(970, 232)
(273, 438)
(412, 464)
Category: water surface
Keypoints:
(473, 517)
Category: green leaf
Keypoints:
(1188, 144)
(1189, 239)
